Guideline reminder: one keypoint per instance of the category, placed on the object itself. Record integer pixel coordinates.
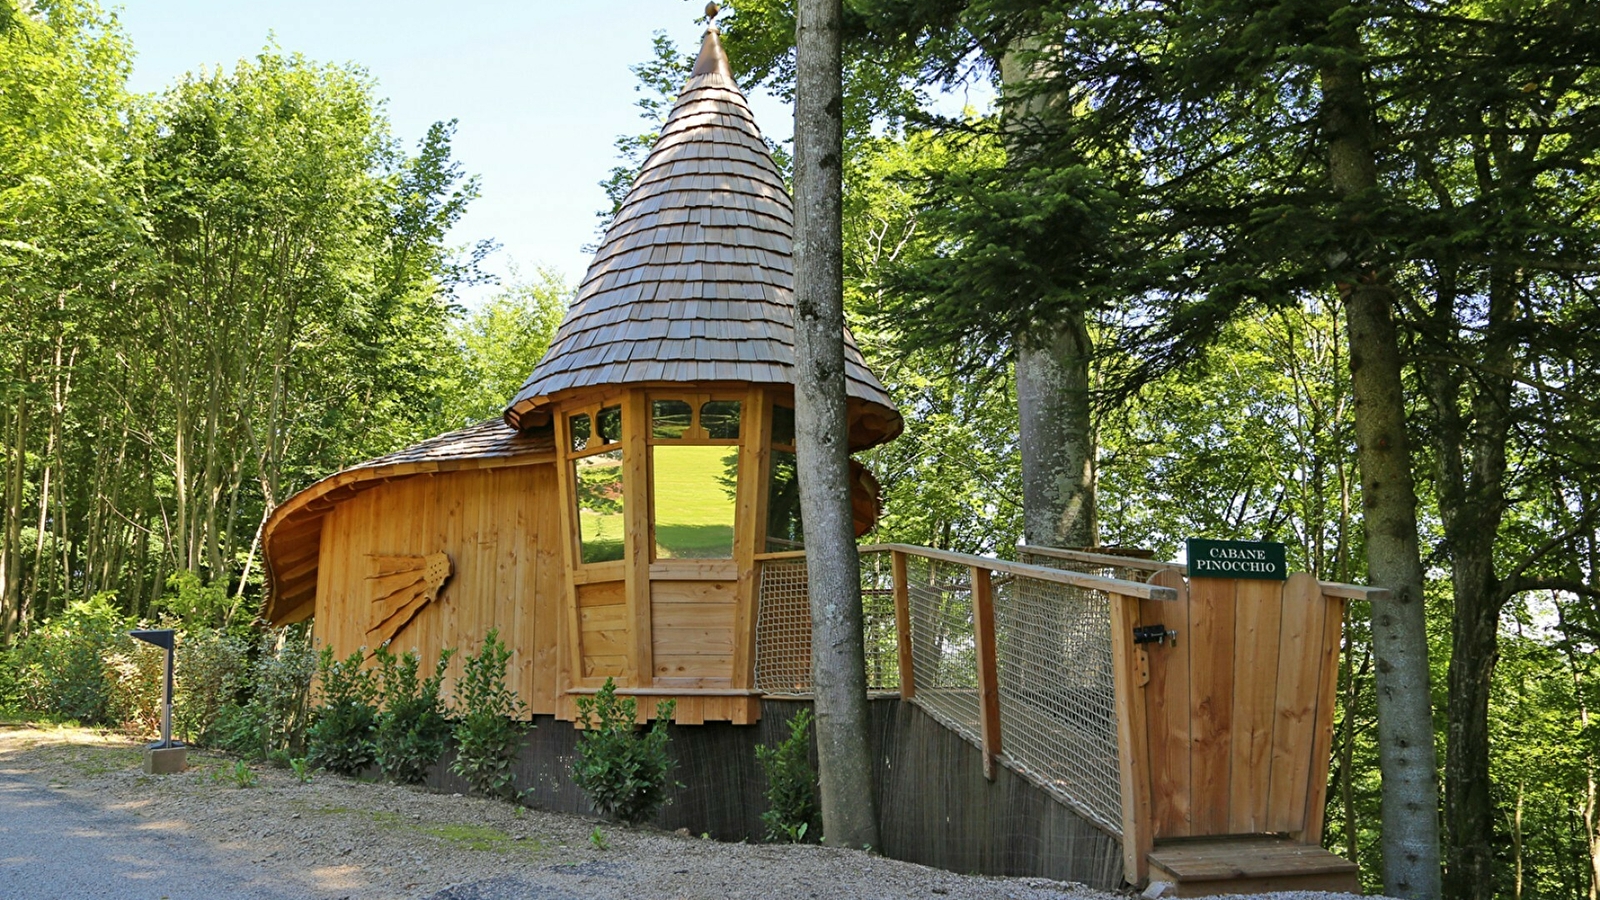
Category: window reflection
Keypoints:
(784, 528)
(578, 426)
(670, 418)
(694, 500)
(609, 424)
(599, 486)
(783, 426)
(720, 419)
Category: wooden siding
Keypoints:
(498, 526)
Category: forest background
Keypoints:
(211, 297)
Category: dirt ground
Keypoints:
(338, 837)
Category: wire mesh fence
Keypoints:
(1053, 661)
(783, 627)
(1057, 692)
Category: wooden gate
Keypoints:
(1231, 718)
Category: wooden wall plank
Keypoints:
(1294, 714)
(750, 529)
(638, 546)
(1322, 746)
(547, 590)
(1255, 670)
(1167, 700)
(1211, 629)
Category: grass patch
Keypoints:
(473, 837)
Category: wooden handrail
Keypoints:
(1329, 588)
(1043, 573)
(1110, 561)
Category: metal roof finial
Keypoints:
(711, 15)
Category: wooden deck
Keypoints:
(1199, 867)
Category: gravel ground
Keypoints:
(339, 838)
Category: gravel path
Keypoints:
(80, 820)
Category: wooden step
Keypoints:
(1199, 867)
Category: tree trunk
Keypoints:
(838, 664)
(1056, 430)
(1057, 437)
(1406, 758)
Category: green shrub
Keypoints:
(413, 729)
(61, 665)
(10, 683)
(486, 730)
(136, 677)
(624, 773)
(273, 716)
(793, 811)
(212, 668)
(344, 724)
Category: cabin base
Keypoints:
(1201, 867)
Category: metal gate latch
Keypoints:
(1154, 634)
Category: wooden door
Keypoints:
(1239, 708)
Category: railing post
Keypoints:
(902, 624)
(988, 668)
(1133, 742)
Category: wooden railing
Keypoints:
(1037, 665)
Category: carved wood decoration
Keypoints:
(401, 588)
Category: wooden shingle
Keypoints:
(694, 281)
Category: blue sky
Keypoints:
(540, 88)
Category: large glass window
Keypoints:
(694, 475)
(695, 490)
(598, 478)
(784, 528)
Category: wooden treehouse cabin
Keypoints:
(635, 516)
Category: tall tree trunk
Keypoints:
(838, 663)
(1057, 437)
(11, 547)
(1056, 429)
(1406, 758)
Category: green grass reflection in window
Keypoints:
(599, 481)
(694, 489)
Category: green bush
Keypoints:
(344, 724)
(793, 811)
(136, 677)
(199, 607)
(486, 730)
(212, 667)
(273, 716)
(624, 773)
(10, 683)
(61, 665)
(413, 729)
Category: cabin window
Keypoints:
(670, 419)
(695, 486)
(578, 428)
(609, 424)
(784, 528)
(694, 475)
(598, 480)
(720, 419)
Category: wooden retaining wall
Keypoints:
(934, 805)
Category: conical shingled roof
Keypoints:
(694, 281)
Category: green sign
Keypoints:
(1236, 559)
